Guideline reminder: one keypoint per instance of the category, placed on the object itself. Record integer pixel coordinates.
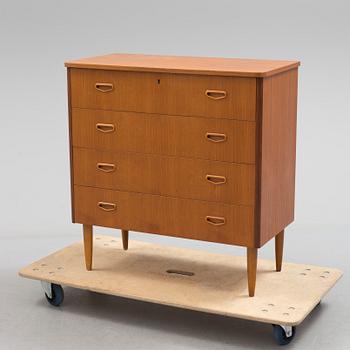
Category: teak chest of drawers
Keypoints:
(199, 148)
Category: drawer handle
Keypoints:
(215, 220)
(216, 94)
(216, 179)
(105, 167)
(107, 206)
(215, 137)
(104, 87)
(105, 127)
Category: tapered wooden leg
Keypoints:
(87, 229)
(279, 250)
(125, 237)
(252, 261)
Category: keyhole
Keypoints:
(158, 81)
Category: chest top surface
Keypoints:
(185, 65)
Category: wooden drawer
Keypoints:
(167, 135)
(175, 94)
(163, 175)
(165, 215)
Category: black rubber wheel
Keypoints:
(280, 335)
(57, 295)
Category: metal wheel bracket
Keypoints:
(47, 288)
(288, 330)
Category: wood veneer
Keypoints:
(278, 144)
(185, 65)
(162, 124)
(176, 217)
(174, 94)
(164, 134)
(225, 182)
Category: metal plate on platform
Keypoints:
(190, 279)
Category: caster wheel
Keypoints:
(280, 335)
(57, 295)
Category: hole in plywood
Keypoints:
(323, 276)
(180, 272)
(291, 308)
(265, 310)
(308, 269)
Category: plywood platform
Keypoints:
(213, 283)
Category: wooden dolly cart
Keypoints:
(190, 279)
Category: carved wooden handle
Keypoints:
(215, 220)
(105, 127)
(216, 179)
(216, 94)
(215, 137)
(105, 167)
(107, 206)
(104, 87)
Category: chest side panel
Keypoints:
(278, 148)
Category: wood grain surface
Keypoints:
(278, 150)
(218, 283)
(164, 134)
(186, 65)
(164, 215)
(174, 94)
(170, 176)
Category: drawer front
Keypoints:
(207, 221)
(206, 138)
(175, 94)
(163, 175)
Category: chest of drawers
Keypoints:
(198, 148)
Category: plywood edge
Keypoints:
(291, 322)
